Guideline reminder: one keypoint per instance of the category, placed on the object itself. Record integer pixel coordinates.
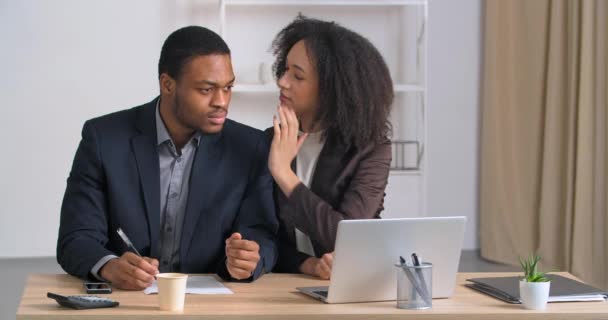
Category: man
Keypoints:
(189, 187)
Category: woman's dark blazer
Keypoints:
(348, 183)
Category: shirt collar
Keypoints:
(162, 134)
(318, 136)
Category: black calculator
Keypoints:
(82, 302)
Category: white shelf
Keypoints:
(325, 2)
(253, 88)
(405, 173)
(272, 88)
(407, 88)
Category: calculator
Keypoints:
(82, 302)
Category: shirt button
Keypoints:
(174, 194)
(179, 159)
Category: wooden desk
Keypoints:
(273, 297)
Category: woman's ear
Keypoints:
(167, 84)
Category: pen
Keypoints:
(128, 242)
(416, 262)
(401, 260)
(410, 277)
(415, 283)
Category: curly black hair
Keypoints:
(355, 85)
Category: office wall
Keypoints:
(62, 62)
(453, 113)
(66, 61)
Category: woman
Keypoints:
(335, 88)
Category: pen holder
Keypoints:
(415, 286)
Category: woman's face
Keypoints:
(300, 83)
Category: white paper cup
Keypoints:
(171, 291)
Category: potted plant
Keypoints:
(534, 285)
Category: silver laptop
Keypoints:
(367, 250)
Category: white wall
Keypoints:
(454, 112)
(63, 62)
(66, 61)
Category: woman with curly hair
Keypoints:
(330, 155)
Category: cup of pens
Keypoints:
(414, 284)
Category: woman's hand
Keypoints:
(318, 267)
(284, 148)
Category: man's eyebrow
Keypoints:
(214, 83)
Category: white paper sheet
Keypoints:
(197, 285)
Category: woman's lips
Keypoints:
(284, 99)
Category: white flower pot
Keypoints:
(534, 295)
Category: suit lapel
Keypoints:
(202, 179)
(146, 157)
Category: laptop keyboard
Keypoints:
(321, 293)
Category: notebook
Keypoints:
(197, 285)
(562, 289)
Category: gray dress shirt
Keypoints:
(175, 168)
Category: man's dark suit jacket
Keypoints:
(348, 183)
(115, 183)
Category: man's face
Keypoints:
(202, 93)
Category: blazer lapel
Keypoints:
(202, 179)
(286, 207)
(146, 155)
(329, 159)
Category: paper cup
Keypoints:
(171, 291)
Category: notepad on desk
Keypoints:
(562, 289)
(197, 285)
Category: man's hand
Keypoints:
(319, 267)
(242, 256)
(130, 271)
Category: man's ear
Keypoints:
(167, 84)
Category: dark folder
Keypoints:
(562, 289)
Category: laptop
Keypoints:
(367, 250)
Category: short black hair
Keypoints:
(186, 43)
(355, 85)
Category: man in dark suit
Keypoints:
(190, 188)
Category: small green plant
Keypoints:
(531, 273)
